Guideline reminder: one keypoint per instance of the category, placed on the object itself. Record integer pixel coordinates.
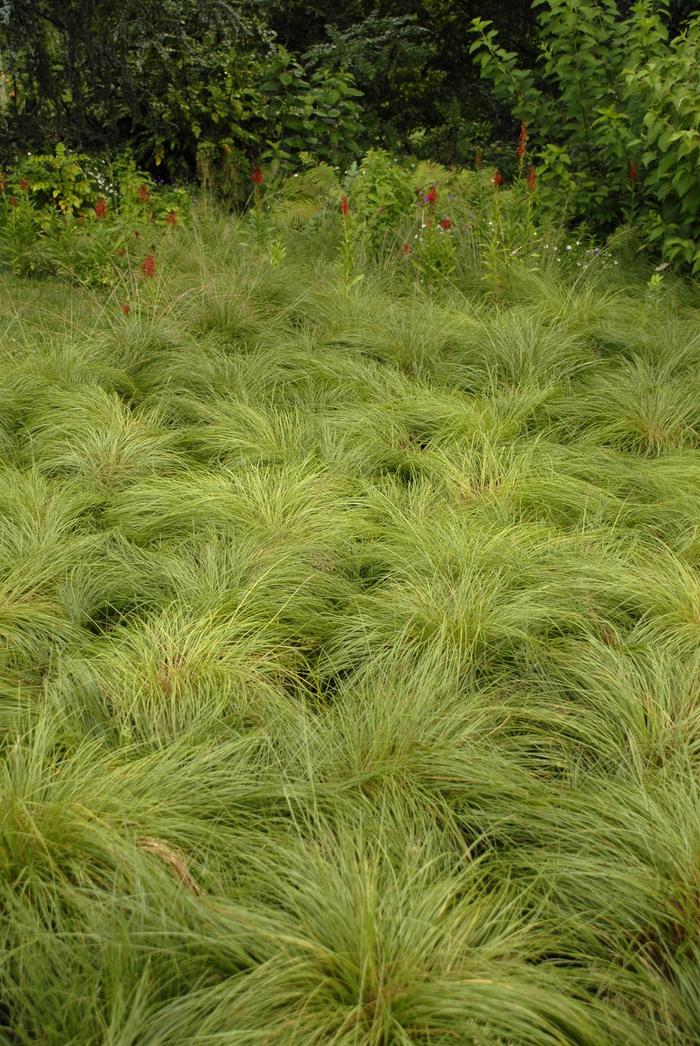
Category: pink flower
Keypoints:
(431, 197)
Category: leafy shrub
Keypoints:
(76, 216)
(610, 108)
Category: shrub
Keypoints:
(611, 112)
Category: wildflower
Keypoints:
(120, 251)
(497, 180)
(479, 159)
(143, 194)
(431, 197)
(14, 202)
(632, 171)
(257, 176)
(24, 184)
(171, 218)
(101, 208)
(344, 206)
(522, 140)
(446, 223)
(126, 308)
(148, 266)
(531, 178)
(406, 248)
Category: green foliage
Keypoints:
(90, 220)
(316, 116)
(611, 108)
(175, 84)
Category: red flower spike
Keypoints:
(446, 223)
(344, 206)
(143, 193)
(101, 208)
(497, 180)
(632, 171)
(522, 140)
(531, 178)
(126, 308)
(406, 248)
(257, 176)
(431, 197)
(171, 218)
(148, 266)
(24, 185)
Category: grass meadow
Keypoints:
(350, 654)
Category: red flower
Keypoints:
(101, 208)
(497, 180)
(14, 202)
(126, 308)
(171, 218)
(148, 266)
(24, 184)
(406, 249)
(522, 140)
(431, 197)
(632, 171)
(531, 178)
(257, 176)
(446, 223)
(344, 206)
(143, 194)
(479, 159)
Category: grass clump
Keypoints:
(349, 655)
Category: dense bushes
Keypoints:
(609, 120)
(171, 81)
(613, 108)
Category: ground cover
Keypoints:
(349, 648)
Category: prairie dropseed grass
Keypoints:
(349, 653)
